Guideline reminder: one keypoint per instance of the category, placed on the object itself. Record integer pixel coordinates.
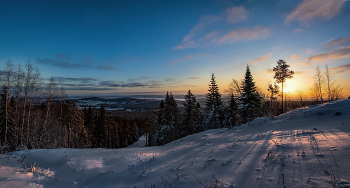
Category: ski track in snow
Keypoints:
(302, 148)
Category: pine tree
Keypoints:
(230, 116)
(190, 114)
(213, 106)
(89, 124)
(170, 111)
(133, 136)
(250, 99)
(213, 96)
(282, 73)
(115, 134)
(160, 114)
(167, 127)
(100, 130)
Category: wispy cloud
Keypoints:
(263, 58)
(202, 23)
(61, 64)
(308, 51)
(236, 14)
(65, 61)
(189, 44)
(72, 79)
(231, 15)
(245, 34)
(305, 64)
(109, 83)
(313, 9)
(105, 67)
(194, 78)
(295, 56)
(338, 42)
(142, 78)
(341, 52)
(298, 30)
(72, 83)
(210, 35)
(341, 69)
(188, 57)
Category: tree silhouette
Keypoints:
(282, 73)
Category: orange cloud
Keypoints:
(244, 34)
(312, 9)
(305, 64)
(294, 56)
(341, 52)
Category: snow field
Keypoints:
(307, 147)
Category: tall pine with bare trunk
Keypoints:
(282, 73)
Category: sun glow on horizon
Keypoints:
(286, 89)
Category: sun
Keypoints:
(286, 89)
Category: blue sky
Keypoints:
(114, 47)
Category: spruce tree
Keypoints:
(250, 99)
(90, 124)
(190, 114)
(100, 131)
(160, 114)
(213, 96)
(230, 116)
(170, 110)
(213, 105)
(115, 134)
(170, 115)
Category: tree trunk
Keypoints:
(282, 100)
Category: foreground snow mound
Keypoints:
(304, 148)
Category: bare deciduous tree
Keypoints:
(320, 81)
(235, 87)
(34, 87)
(8, 79)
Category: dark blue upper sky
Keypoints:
(155, 46)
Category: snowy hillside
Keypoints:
(307, 147)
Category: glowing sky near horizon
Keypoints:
(116, 47)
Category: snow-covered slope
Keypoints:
(304, 148)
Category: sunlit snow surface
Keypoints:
(308, 146)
